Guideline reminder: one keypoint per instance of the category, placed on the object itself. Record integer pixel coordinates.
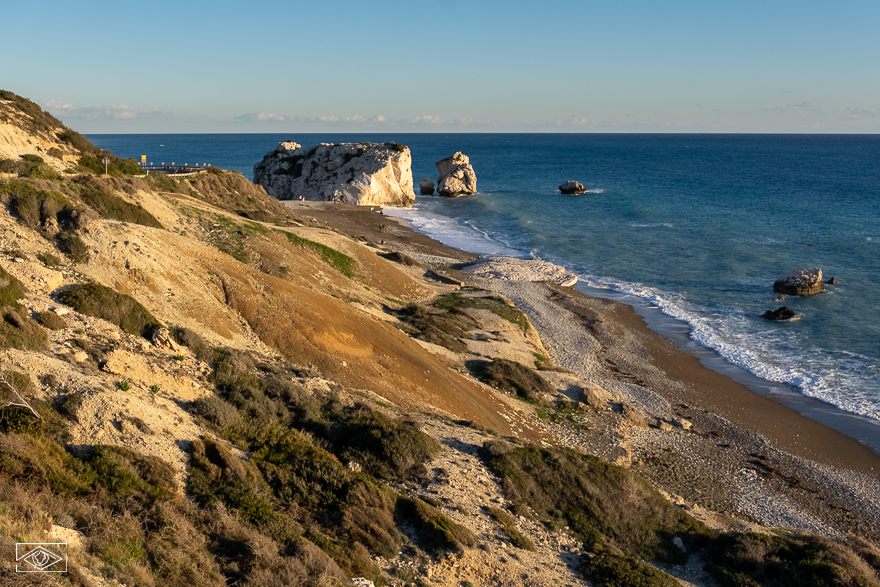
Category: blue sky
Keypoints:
(453, 66)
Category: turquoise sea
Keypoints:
(696, 227)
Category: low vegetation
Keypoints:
(339, 261)
(17, 329)
(109, 205)
(617, 514)
(508, 524)
(789, 560)
(100, 301)
(447, 328)
(516, 379)
(494, 304)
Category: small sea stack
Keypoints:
(572, 188)
(457, 177)
(782, 313)
(800, 282)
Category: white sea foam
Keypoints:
(463, 235)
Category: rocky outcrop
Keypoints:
(595, 396)
(572, 187)
(457, 177)
(426, 186)
(363, 174)
(782, 313)
(800, 282)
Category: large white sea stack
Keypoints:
(363, 174)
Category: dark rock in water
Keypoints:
(800, 282)
(572, 188)
(831, 281)
(782, 313)
(426, 186)
(779, 298)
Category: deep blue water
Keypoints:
(697, 225)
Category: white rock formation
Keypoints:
(457, 177)
(364, 174)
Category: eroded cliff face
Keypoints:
(26, 130)
(363, 174)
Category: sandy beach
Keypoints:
(747, 461)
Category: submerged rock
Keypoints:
(572, 188)
(457, 177)
(364, 174)
(782, 313)
(800, 282)
(832, 281)
(426, 186)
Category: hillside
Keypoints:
(203, 386)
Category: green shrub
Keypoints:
(607, 506)
(123, 472)
(787, 560)
(11, 290)
(194, 341)
(20, 331)
(339, 261)
(13, 166)
(514, 378)
(435, 531)
(494, 304)
(384, 448)
(112, 206)
(103, 302)
(215, 411)
(51, 320)
(72, 246)
(399, 257)
(116, 168)
(508, 524)
(445, 328)
(49, 260)
(611, 570)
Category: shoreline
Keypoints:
(860, 428)
(745, 448)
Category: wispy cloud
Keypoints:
(355, 120)
(260, 117)
(789, 107)
(853, 113)
(121, 112)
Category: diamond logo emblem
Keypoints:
(41, 558)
